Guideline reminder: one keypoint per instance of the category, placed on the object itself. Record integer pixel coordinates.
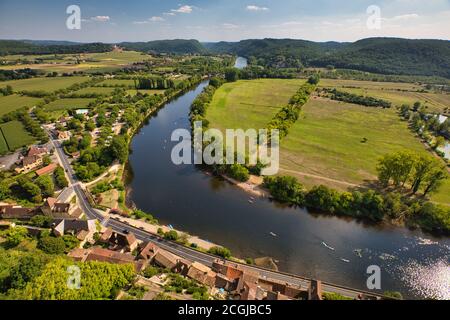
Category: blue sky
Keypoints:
(230, 20)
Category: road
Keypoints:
(177, 249)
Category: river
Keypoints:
(411, 262)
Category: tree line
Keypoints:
(357, 99)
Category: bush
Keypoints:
(221, 252)
(52, 245)
(171, 235)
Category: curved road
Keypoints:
(177, 249)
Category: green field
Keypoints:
(95, 90)
(117, 82)
(149, 92)
(16, 135)
(250, 104)
(14, 102)
(43, 84)
(397, 93)
(68, 104)
(3, 146)
(325, 145)
(102, 62)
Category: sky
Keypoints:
(225, 20)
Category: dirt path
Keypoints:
(348, 184)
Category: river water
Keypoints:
(414, 263)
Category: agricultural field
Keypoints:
(43, 84)
(118, 82)
(95, 90)
(102, 62)
(397, 93)
(145, 91)
(250, 104)
(14, 102)
(326, 145)
(68, 104)
(15, 134)
(3, 146)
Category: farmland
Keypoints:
(68, 104)
(43, 84)
(95, 90)
(14, 102)
(250, 104)
(102, 62)
(145, 91)
(16, 136)
(335, 144)
(397, 93)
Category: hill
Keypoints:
(379, 55)
(9, 47)
(166, 46)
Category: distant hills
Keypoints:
(167, 46)
(378, 55)
(8, 47)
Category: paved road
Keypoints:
(175, 248)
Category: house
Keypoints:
(16, 212)
(29, 163)
(78, 228)
(315, 290)
(148, 251)
(37, 151)
(165, 260)
(57, 209)
(126, 242)
(63, 135)
(47, 170)
(202, 274)
(104, 255)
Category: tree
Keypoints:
(45, 183)
(41, 221)
(29, 267)
(119, 149)
(33, 192)
(221, 252)
(285, 189)
(171, 235)
(14, 236)
(396, 167)
(52, 245)
(439, 142)
(232, 75)
(434, 179)
(422, 168)
(314, 79)
(60, 178)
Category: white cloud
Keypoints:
(157, 19)
(405, 17)
(101, 18)
(168, 13)
(256, 8)
(183, 9)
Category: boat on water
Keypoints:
(251, 201)
(170, 227)
(358, 252)
(345, 260)
(327, 246)
(273, 234)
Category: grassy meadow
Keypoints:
(397, 93)
(44, 84)
(95, 90)
(108, 61)
(15, 134)
(250, 104)
(14, 102)
(326, 145)
(68, 104)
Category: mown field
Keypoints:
(68, 104)
(397, 93)
(43, 84)
(95, 90)
(14, 102)
(250, 104)
(16, 135)
(326, 145)
(117, 82)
